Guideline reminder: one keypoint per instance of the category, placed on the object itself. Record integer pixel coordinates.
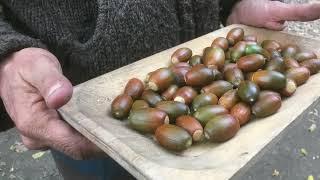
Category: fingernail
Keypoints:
(54, 88)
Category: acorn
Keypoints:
(173, 137)
(253, 49)
(213, 56)
(266, 93)
(221, 128)
(221, 42)
(217, 87)
(199, 75)
(274, 53)
(147, 120)
(168, 94)
(249, 75)
(196, 59)
(300, 75)
(312, 64)
(289, 89)
(161, 79)
(217, 74)
(173, 109)
(229, 99)
(290, 63)
(134, 88)
(181, 55)
(266, 105)
(248, 92)
(180, 64)
(179, 74)
(191, 125)
(229, 66)
(302, 56)
(151, 97)
(271, 80)
(235, 35)
(290, 50)
(271, 45)
(203, 100)
(238, 51)
(276, 64)
(185, 95)
(139, 104)
(205, 113)
(120, 106)
(250, 38)
(251, 62)
(234, 76)
(242, 112)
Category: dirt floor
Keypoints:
(18, 163)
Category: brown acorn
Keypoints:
(161, 79)
(134, 88)
(271, 80)
(121, 105)
(276, 64)
(271, 45)
(300, 75)
(266, 93)
(217, 74)
(173, 109)
(229, 66)
(181, 55)
(234, 76)
(221, 128)
(191, 125)
(151, 97)
(181, 64)
(185, 95)
(248, 91)
(241, 112)
(290, 88)
(229, 99)
(238, 51)
(213, 56)
(217, 88)
(266, 105)
(179, 74)
(139, 104)
(147, 120)
(173, 137)
(203, 100)
(199, 75)
(302, 56)
(250, 38)
(290, 63)
(251, 62)
(196, 59)
(205, 113)
(312, 64)
(249, 75)
(221, 42)
(235, 35)
(290, 50)
(168, 94)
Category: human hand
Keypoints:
(272, 14)
(32, 87)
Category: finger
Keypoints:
(278, 26)
(32, 144)
(46, 77)
(295, 12)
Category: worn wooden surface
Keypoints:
(88, 112)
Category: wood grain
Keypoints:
(89, 113)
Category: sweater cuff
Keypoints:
(226, 7)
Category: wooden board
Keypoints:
(88, 112)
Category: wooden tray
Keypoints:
(88, 112)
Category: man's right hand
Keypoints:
(32, 87)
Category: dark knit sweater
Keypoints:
(92, 37)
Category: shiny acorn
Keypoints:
(271, 80)
(168, 94)
(221, 42)
(161, 79)
(289, 89)
(290, 63)
(251, 62)
(173, 109)
(271, 45)
(181, 55)
(203, 100)
(229, 66)
(217, 87)
(275, 64)
(147, 120)
(238, 51)
(120, 106)
(266, 93)
(266, 105)
(242, 112)
(139, 104)
(180, 64)
(300, 75)
(205, 113)
(250, 38)
(173, 137)
(185, 95)
(290, 50)
(305, 55)
(179, 74)
(213, 56)
(234, 76)
(248, 91)
(235, 35)
(134, 88)
(192, 126)
(217, 74)
(194, 60)
(151, 97)
(221, 128)
(312, 64)
(229, 99)
(253, 49)
(199, 75)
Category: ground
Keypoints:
(297, 147)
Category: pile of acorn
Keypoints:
(209, 97)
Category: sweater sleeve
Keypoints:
(12, 40)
